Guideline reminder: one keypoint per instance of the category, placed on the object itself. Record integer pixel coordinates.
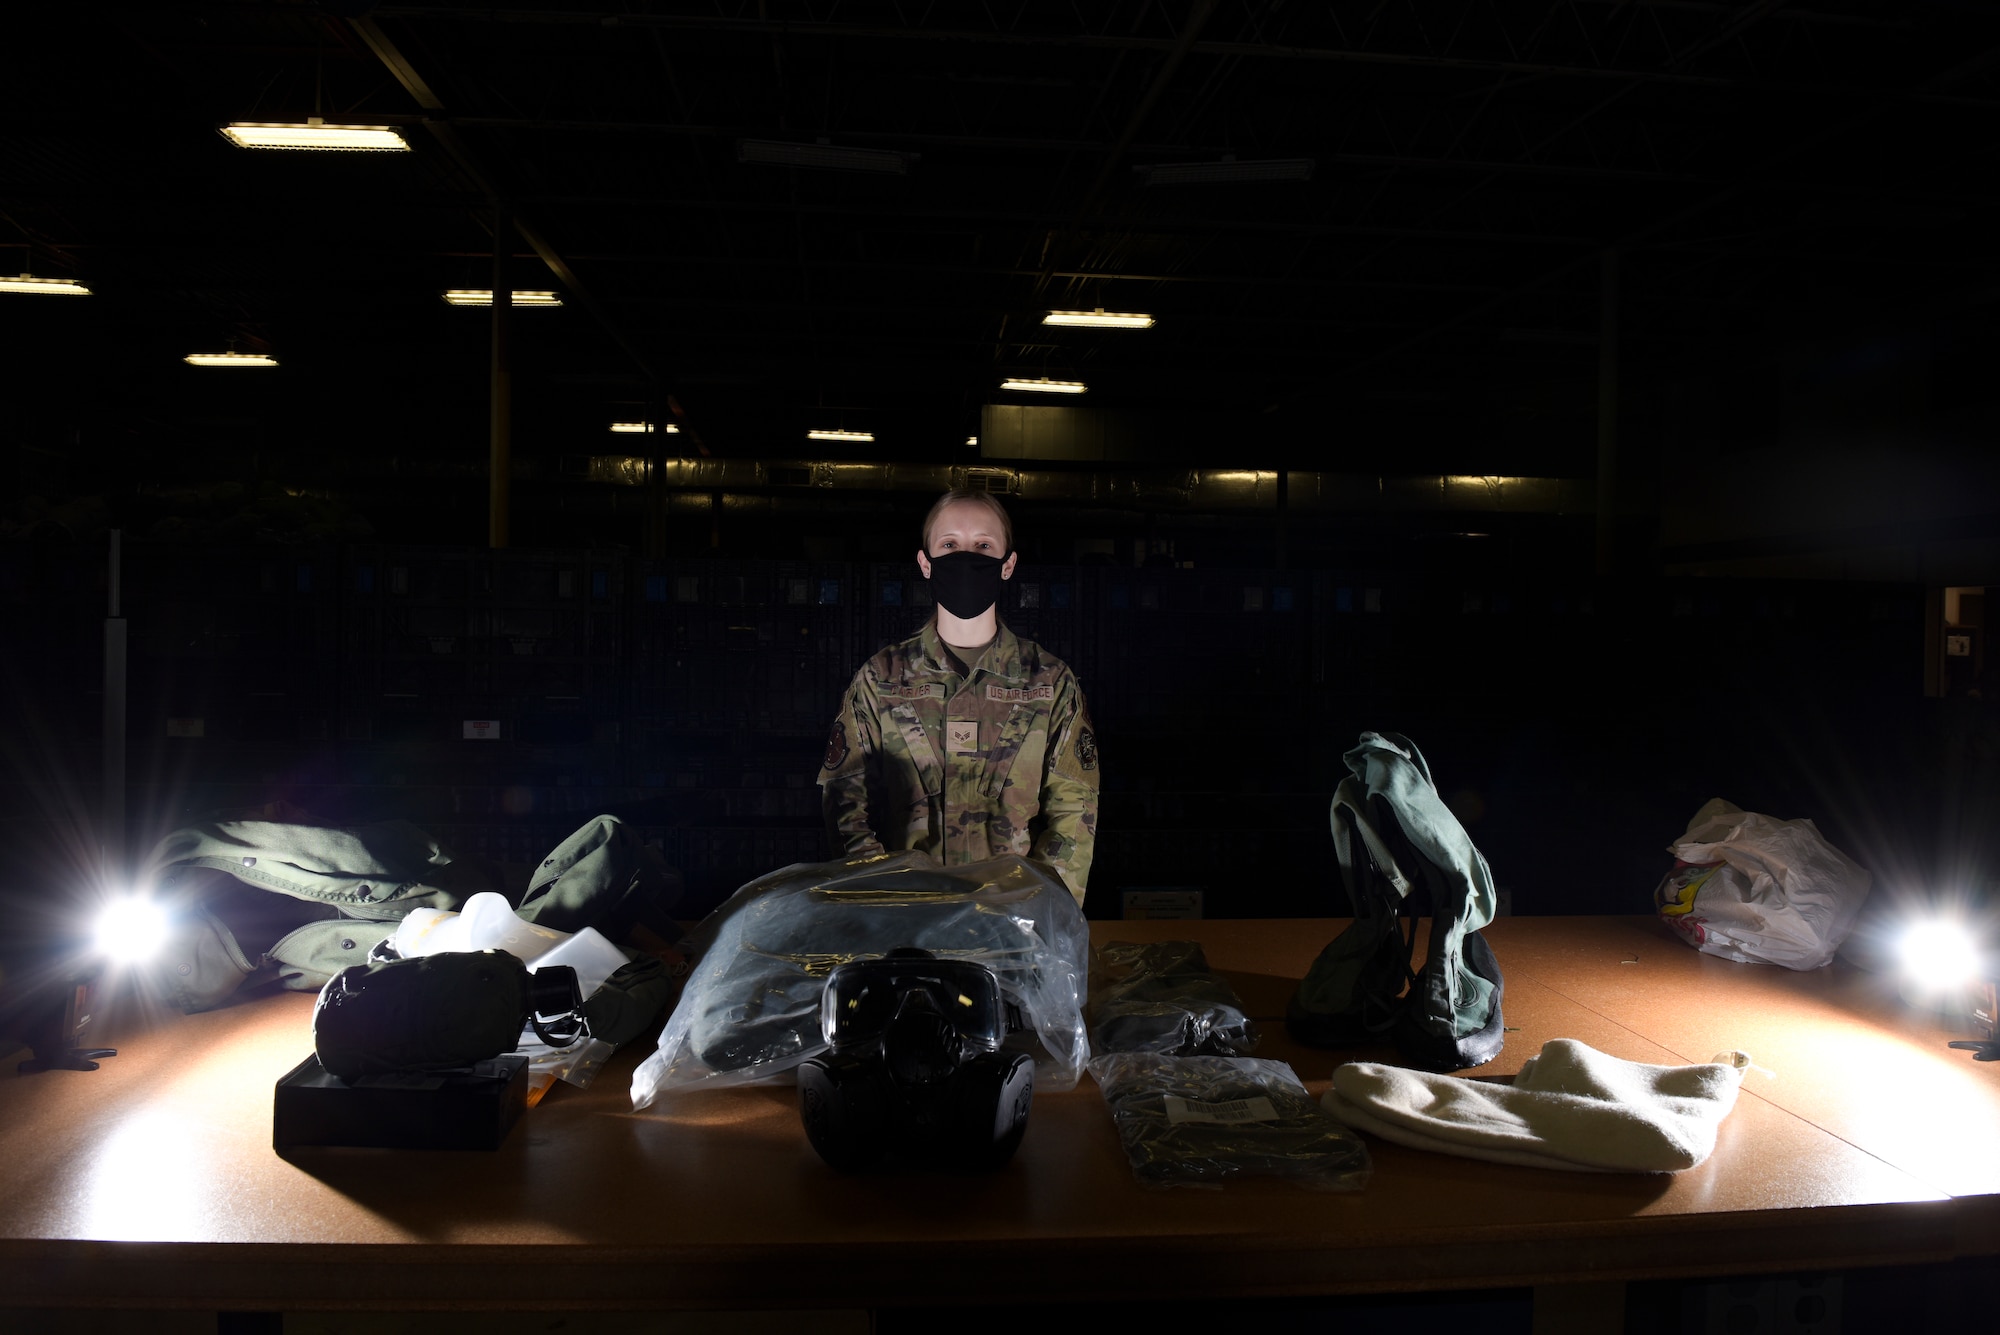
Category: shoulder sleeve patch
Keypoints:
(836, 747)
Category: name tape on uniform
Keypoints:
(1017, 695)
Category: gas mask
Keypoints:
(914, 1066)
(966, 584)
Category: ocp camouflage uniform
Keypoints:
(1002, 760)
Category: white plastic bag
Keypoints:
(1760, 890)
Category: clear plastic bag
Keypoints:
(1201, 1121)
(1161, 996)
(1760, 890)
(750, 1011)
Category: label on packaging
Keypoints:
(1181, 1110)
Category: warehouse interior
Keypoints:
(1596, 392)
(1599, 393)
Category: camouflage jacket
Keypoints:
(1000, 761)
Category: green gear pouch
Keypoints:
(629, 1002)
(602, 876)
(1399, 848)
(312, 956)
(202, 963)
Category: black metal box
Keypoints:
(470, 1109)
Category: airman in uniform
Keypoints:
(965, 741)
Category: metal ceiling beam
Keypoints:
(1637, 237)
(454, 145)
(1114, 152)
(1126, 42)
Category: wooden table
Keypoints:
(1858, 1140)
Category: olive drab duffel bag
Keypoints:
(296, 903)
(1401, 849)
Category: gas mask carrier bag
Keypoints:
(1399, 846)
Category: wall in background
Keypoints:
(502, 698)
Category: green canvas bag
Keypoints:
(1400, 848)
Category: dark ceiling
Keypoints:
(1429, 298)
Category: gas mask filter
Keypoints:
(914, 1066)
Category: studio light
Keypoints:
(230, 359)
(483, 296)
(1943, 959)
(642, 428)
(130, 929)
(824, 157)
(821, 433)
(1046, 386)
(1940, 954)
(315, 133)
(47, 287)
(1099, 319)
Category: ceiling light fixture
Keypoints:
(50, 287)
(483, 296)
(1046, 386)
(642, 428)
(316, 134)
(1099, 319)
(824, 157)
(230, 359)
(823, 433)
(1226, 172)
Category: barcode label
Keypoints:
(1236, 1110)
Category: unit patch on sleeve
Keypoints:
(1016, 695)
(1086, 748)
(836, 746)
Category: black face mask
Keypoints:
(966, 584)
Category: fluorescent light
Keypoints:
(1099, 319)
(50, 287)
(1046, 386)
(230, 359)
(820, 433)
(643, 428)
(483, 296)
(1226, 172)
(315, 133)
(826, 157)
